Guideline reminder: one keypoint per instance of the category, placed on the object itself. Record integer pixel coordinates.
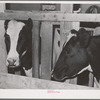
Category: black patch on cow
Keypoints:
(7, 42)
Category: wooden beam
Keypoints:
(35, 49)
(10, 81)
(48, 16)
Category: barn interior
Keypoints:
(48, 44)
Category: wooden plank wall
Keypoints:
(50, 16)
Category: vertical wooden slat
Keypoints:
(35, 49)
(3, 53)
(65, 26)
(73, 81)
(91, 80)
(46, 49)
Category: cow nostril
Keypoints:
(14, 60)
(11, 61)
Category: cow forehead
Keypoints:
(14, 28)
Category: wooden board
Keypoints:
(9, 81)
(3, 53)
(91, 80)
(48, 16)
(35, 48)
(46, 49)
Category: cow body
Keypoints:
(79, 52)
(18, 40)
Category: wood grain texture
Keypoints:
(50, 16)
(9, 81)
(35, 48)
(46, 49)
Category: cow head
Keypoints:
(73, 57)
(18, 35)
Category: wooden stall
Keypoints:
(42, 60)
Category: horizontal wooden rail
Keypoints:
(49, 16)
(9, 81)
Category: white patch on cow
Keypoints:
(13, 31)
(56, 47)
(28, 72)
(24, 53)
(84, 69)
(70, 35)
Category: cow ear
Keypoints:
(83, 37)
(6, 24)
(73, 31)
(30, 23)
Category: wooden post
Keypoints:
(65, 26)
(91, 80)
(35, 49)
(3, 53)
(46, 49)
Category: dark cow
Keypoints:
(18, 40)
(79, 52)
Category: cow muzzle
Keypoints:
(12, 62)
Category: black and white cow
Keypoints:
(18, 40)
(79, 52)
